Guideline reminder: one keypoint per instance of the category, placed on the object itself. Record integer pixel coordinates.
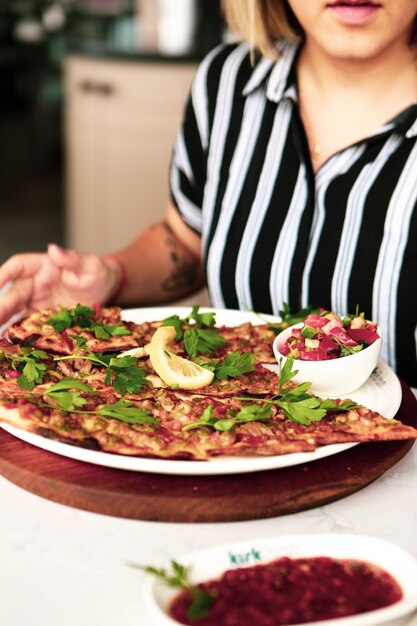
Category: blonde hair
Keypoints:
(261, 23)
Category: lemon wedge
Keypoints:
(174, 369)
(139, 353)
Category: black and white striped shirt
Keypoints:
(272, 230)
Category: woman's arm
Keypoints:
(163, 264)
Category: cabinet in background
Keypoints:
(121, 121)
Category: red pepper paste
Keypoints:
(292, 591)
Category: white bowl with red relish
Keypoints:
(336, 354)
(369, 575)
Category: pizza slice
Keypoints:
(254, 338)
(53, 330)
(198, 333)
(174, 424)
(118, 403)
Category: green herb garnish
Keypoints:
(202, 341)
(125, 376)
(65, 398)
(84, 317)
(32, 372)
(178, 577)
(29, 364)
(197, 331)
(127, 412)
(105, 331)
(71, 401)
(288, 318)
(123, 373)
(251, 413)
(235, 364)
(298, 403)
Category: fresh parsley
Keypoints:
(80, 315)
(178, 577)
(286, 373)
(233, 365)
(68, 400)
(252, 413)
(288, 318)
(196, 329)
(32, 372)
(30, 365)
(62, 393)
(123, 374)
(105, 331)
(127, 412)
(202, 341)
(84, 317)
(298, 403)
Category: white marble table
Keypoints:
(65, 567)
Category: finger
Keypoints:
(86, 272)
(20, 266)
(16, 299)
(64, 259)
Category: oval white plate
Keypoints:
(212, 562)
(382, 393)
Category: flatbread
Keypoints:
(35, 331)
(174, 411)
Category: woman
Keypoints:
(293, 178)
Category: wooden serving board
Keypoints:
(237, 497)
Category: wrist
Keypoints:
(118, 269)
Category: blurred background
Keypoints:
(91, 96)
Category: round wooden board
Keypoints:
(237, 497)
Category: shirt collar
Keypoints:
(405, 123)
(278, 80)
(275, 76)
(412, 130)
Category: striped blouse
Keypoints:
(273, 231)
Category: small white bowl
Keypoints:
(335, 377)
(212, 562)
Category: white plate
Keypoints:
(382, 393)
(210, 563)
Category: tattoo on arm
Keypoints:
(185, 274)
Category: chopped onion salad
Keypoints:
(326, 336)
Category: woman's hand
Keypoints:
(57, 277)
(162, 265)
